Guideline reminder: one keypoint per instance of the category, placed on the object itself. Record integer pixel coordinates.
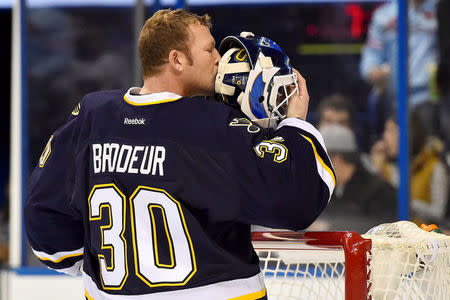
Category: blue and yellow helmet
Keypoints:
(255, 75)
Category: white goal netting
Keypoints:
(400, 261)
(408, 263)
(308, 265)
(289, 278)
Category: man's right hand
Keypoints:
(298, 103)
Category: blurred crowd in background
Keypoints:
(74, 51)
(367, 182)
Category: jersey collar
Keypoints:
(132, 97)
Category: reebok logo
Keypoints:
(134, 121)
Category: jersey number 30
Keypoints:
(144, 203)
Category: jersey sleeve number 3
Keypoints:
(143, 202)
(279, 150)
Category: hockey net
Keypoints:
(392, 261)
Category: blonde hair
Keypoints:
(166, 30)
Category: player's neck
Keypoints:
(162, 83)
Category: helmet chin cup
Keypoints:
(266, 123)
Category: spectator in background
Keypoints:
(429, 177)
(379, 57)
(338, 109)
(361, 199)
(335, 109)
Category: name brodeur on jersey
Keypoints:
(121, 158)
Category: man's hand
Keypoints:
(379, 77)
(378, 155)
(298, 103)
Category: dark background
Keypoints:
(5, 82)
(74, 51)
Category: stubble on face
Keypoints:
(202, 72)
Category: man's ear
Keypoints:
(177, 60)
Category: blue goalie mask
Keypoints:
(254, 74)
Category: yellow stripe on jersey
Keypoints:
(59, 259)
(252, 296)
(86, 294)
(149, 103)
(319, 159)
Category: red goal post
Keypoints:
(308, 252)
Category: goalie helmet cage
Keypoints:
(392, 261)
(310, 265)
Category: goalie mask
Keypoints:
(255, 75)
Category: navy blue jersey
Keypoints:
(153, 195)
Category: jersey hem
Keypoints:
(243, 289)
